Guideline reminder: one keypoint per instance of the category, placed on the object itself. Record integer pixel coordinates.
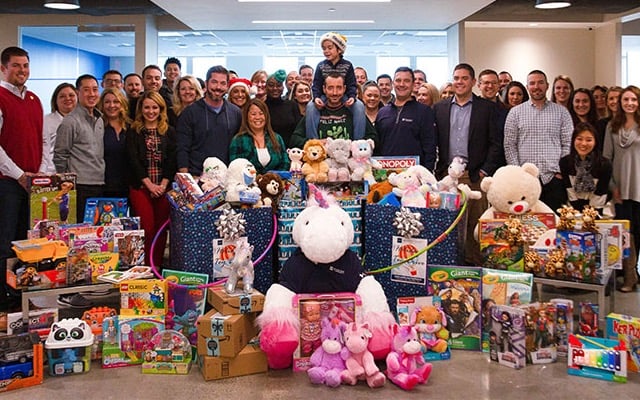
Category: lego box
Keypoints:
(236, 303)
(143, 297)
(251, 360)
(224, 335)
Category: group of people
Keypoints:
(129, 139)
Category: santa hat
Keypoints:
(240, 82)
(339, 40)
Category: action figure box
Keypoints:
(458, 291)
(52, 197)
(130, 248)
(597, 358)
(186, 301)
(251, 360)
(430, 325)
(564, 324)
(192, 250)
(17, 375)
(224, 335)
(126, 338)
(170, 353)
(39, 321)
(381, 247)
(626, 329)
(69, 347)
(497, 251)
(580, 256)
(507, 336)
(540, 333)
(236, 303)
(588, 319)
(143, 297)
(502, 288)
(103, 210)
(42, 264)
(313, 310)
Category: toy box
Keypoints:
(52, 197)
(42, 264)
(69, 347)
(95, 318)
(138, 272)
(126, 338)
(40, 322)
(16, 374)
(103, 210)
(626, 329)
(496, 250)
(588, 319)
(311, 310)
(540, 329)
(130, 248)
(102, 263)
(444, 200)
(502, 288)
(458, 290)
(236, 303)
(534, 225)
(186, 301)
(614, 242)
(597, 358)
(293, 183)
(580, 260)
(251, 360)
(143, 297)
(393, 164)
(170, 354)
(429, 333)
(224, 335)
(507, 336)
(564, 324)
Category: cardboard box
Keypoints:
(497, 252)
(581, 253)
(626, 329)
(37, 369)
(236, 303)
(52, 197)
(251, 360)
(224, 335)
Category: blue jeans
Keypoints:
(312, 118)
(14, 220)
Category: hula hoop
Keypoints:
(216, 283)
(439, 239)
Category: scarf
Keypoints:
(584, 179)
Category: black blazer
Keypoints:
(485, 145)
(137, 151)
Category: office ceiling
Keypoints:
(226, 27)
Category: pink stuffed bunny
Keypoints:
(326, 360)
(359, 361)
(405, 365)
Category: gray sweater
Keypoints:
(79, 146)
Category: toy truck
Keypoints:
(42, 263)
(17, 347)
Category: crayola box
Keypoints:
(186, 301)
(458, 291)
(143, 297)
(626, 329)
(502, 288)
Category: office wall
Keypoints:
(554, 51)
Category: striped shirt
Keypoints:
(538, 136)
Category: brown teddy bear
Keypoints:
(315, 168)
(430, 323)
(272, 186)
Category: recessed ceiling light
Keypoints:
(63, 4)
(552, 4)
(314, 1)
(332, 9)
(336, 21)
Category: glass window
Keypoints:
(630, 60)
(202, 64)
(388, 65)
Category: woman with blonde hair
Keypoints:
(151, 147)
(257, 142)
(561, 90)
(446, 91)
(115, 113)
(188, 91)
(259, 81)
(428, 94)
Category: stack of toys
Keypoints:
(226, 345)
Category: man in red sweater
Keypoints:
(21, 155)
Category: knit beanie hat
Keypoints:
(280, 75)
(339, 40)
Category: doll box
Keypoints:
(52, 197)
(21, 375)
(193, 234)
(507, 336)
(626, 329)
(69, 347)
(125, 339)
(236, 303)
(224, 335)
(540, 320)
(251, 360)
(311, 310)
(564, 324)
(143, 297)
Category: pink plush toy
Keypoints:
(430, 322)
(327, 359)
(359, 361)
(405, 365)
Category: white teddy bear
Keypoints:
(412, 185)
(214, 173)
(241, 182)
(295, 155)
(361, 164)
(513, 190)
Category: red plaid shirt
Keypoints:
(154, 155)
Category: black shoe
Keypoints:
(74, 300)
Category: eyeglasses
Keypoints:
(113, 81)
